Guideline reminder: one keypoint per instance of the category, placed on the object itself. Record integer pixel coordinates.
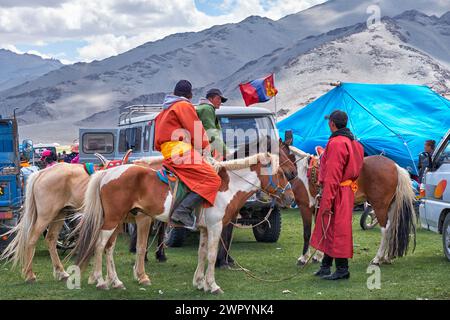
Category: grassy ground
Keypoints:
(422, 275)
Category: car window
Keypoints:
(130, 138)
(238, 131)
(98, 142)
(444, 156)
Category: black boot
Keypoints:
(325, 268)
(341, 270)
(183, 213)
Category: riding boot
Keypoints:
(183, 213)
(341, 270)
(325, 268)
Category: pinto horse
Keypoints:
(382, 183)
(51, 195)
(112, 194)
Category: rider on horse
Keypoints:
(182, 140)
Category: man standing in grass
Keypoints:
(340, 166)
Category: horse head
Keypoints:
(273, 179)
(287, 161)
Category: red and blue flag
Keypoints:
(257, 91)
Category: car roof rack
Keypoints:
(135, 110)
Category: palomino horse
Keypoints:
(112, 194)
(382, 183)
(51, 195)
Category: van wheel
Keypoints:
(446, 236)
(175, 237)
(269, 233)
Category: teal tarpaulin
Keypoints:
(394, 120)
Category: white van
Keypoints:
(435, 189)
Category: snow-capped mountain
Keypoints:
(16, 68)
(327, 43)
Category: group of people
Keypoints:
(184, 154)
(49, 158)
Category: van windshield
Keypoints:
(239, 131)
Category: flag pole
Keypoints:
(276, 111)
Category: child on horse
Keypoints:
(182, 140)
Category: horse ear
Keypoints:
(319, 150)
(126, 156)
(102, 159)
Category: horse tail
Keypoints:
(401, 217)
(88, 230)
(17, 248)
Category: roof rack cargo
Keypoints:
(135, 110)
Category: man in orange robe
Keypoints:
(340, 166)
(181, 138)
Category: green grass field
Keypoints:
(425, 274)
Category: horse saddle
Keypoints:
(178, 189)
(91, 168)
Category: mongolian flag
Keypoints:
(257, 91)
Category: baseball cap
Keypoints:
(216, 92)
(339, 118)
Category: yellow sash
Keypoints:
(350, 183)
(173, 148)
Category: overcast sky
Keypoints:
(85, 30)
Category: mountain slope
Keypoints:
(16, 68)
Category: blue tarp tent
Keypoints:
(391, 119)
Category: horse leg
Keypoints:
(306, 214)
(318, 256)
(381, 215)
(143, 224)
(199, 275)
(113, 279)
(37, 230)
(51, 238)
(96, 275)
(213, 244)
(161, 252)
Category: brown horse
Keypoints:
(382, 183)
(51, 195)
(112, 194)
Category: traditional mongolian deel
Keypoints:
(340, 165)
(190, 168)
(257, 91)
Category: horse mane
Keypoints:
(299, 153)
(243, 163)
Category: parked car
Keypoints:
(136, 132)
(435, 191)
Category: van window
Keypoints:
(444, 157)
(130, 138)
(147, 133)
(98, 142)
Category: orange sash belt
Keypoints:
(350, 183)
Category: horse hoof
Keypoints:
(161, 259)
(119, 287)
(300, 263)
(146, 282)
(103, 286)
(373, 263)
(31, 280)
(217, 291)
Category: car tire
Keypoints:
(175, 237)
(269, 233)
(368, 219)
(446, 236)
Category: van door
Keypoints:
(437, 185)
(103, 141)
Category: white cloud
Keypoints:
(111, 27)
